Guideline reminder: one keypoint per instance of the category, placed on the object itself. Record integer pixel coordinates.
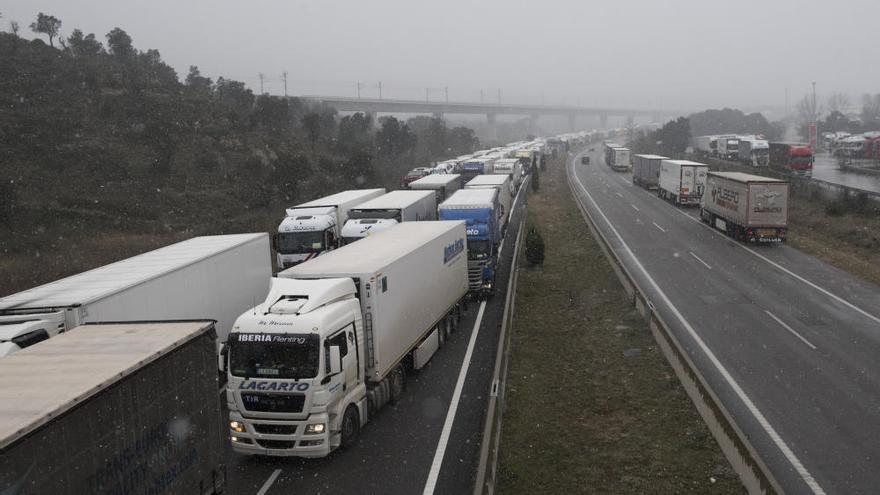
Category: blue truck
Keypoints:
(476, 166)
(479, 208)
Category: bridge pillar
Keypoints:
(603, 121)
(492, 128)
(571, 118)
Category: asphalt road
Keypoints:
(397, 448)
(789, 343)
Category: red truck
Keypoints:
(793, 158)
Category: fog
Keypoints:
(679, 54)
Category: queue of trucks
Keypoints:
(791, 158)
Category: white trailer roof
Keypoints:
(471, 198)
(340, 198)
(374, 252)
(43, 381)
(394, 200)
(654, 157)
(428, 181)
(489, 180)
(745, 178)
(100, 282)
(686, 162)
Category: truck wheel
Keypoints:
(351, 426)
(398, 384)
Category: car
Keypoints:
(585, 160)
(414, 174)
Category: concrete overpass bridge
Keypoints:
(375, 106)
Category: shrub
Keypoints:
(534, 247)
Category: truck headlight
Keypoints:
(315, 429)
(236, 426)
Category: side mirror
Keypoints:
(335, 360)
(275, 242)
(221, 359)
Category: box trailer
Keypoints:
(706, 145)
(682, 181)
(113, 408)
(505, 194)
(212, 277)
(618, 158)
(477, 208)
(443, 185)
(646, 170)
(482, 164)
(387, 211)
(334, 339)
(728, 147)
(746, 207)
(315, 227)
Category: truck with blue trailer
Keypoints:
(478, 208)
(476, 166)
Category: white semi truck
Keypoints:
(746, 207)
(443, 185)
(505, 194)
(511, 167)
(211, 277)
(682, 181)
(387, 211)
(333, 341)
(315, 227)
(114, 408)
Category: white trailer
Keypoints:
(314, 227)
(746, 207)
(706, 145)
(646, 170)
(443, 185)
(505, 194)
(333, 340)
(209, 277)
(682, 181)
(387, 211)
(116, 408)
(511, 167)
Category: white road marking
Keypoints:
(268, 483)
(431, 483)
(805, 341)
(635, 207)
(789, 272)
(701, 261)
(659, 227)
(617, 193)
(753, 409)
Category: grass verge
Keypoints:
(593, 406)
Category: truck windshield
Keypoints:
(479, 249)
(384, 214)
(300, 242)
(273, 355)
(801, 160)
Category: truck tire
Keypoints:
(398, 383)
(351, 426)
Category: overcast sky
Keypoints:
(671, 54)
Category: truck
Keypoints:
(114, 408)
(646, 170)
(727, 147)
(792, 158)
(682, 181)
(754, 152)
(617, 157)
(443, 185)
(214, 277)
(478, 208)
(746, 207)
(513, 168)
(313, 228)
(334, 340)
(505, 195)
(387, 211)
(528, 157)
(476, 166)
(706, 146)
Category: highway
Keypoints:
(787, 342)
(406, 444)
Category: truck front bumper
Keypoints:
(281, 438)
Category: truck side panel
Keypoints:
(155, 431)
(768, 205)
(727, 199)
(412, 295)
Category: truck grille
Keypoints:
(273, 402)
(475, 275)
(275, 429)
(276, 444)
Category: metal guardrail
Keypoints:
(741, 454)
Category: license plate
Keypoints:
(767, 232)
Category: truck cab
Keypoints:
(293, 369)
(387, 211)
(477, 207)
(304, 234)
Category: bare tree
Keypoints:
(871, 109)
(838, 102)
(806, 110)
